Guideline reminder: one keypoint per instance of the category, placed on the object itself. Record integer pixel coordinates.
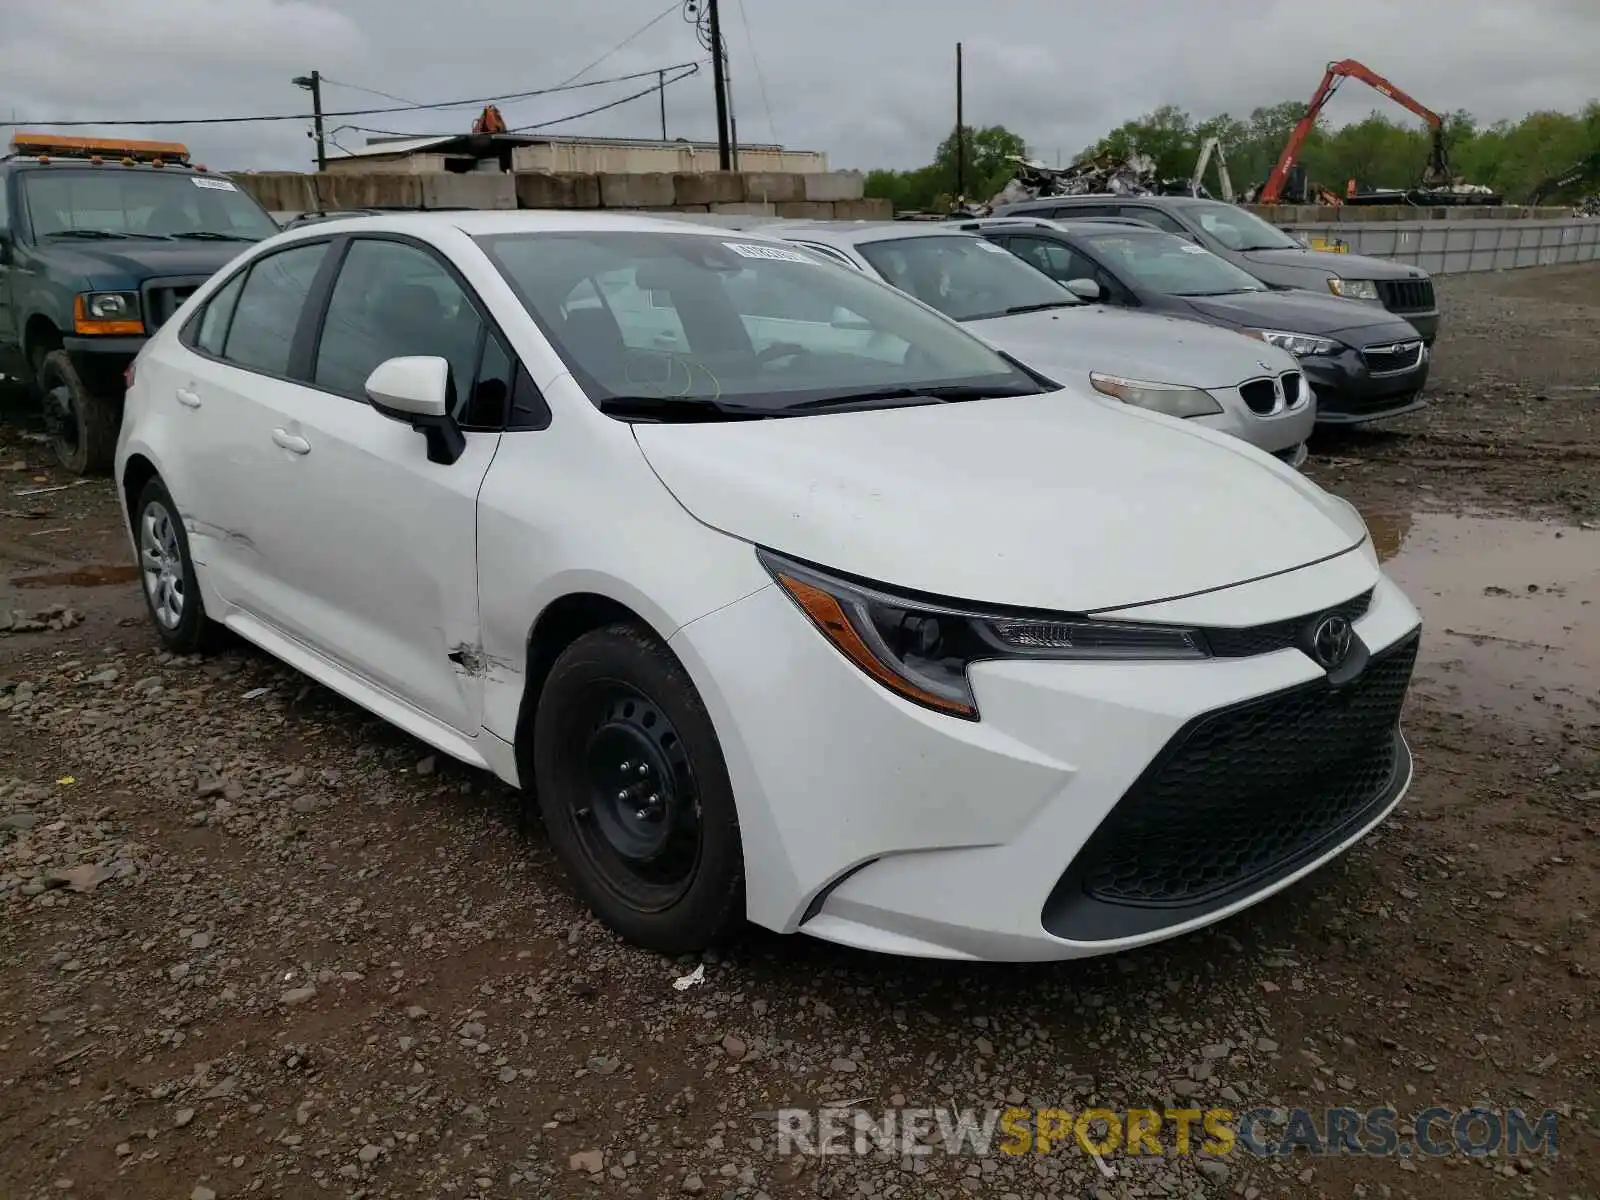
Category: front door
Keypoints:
(373, 546)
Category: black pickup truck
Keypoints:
(100, 242)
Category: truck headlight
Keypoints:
(1297, 344)
(1353, 289)
(107, 312)
(1176, 400)
(921, 651)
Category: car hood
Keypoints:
(1347, 266)
(122, 266)
(1157, 349)
(1305, 312)
(1053, 502)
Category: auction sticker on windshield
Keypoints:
(746, 250)
(1194, 249)
(216, 185)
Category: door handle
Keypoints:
(291, 443)
(187, 398)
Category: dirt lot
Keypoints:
(255, 941)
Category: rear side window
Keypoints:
(1055, 260)
(1084, 212)
(1152, 216)
(218, 315)
(261, 334)
(394, 299)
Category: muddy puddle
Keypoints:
(1510, 609)
(96, 575)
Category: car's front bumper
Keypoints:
(1348, 393)
(874, 823)
(1281, 433)
(100, 361)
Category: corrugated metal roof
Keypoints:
(401, 146)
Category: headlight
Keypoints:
(1353, 289)
(1297, 344)
(107, 312)
(1173, 399)
(921, 651)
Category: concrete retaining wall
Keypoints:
(834, 195)
(1453, 246)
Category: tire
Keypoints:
(83, 424)
(634, 792)
(166, 574)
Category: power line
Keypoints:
(687, 70)
(637, 33)
(761, 80)
(475, 102)
(356, 87)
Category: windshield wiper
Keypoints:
(680, 409)
(88, 233)
(1027, 308)
(207, 235)
(891, 397)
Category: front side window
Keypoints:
(735, 324)
(393, 299)
(1238, 230)
(966, 278)
(137, 202)
(1056, 260)
(261, 335)
(1171, 265)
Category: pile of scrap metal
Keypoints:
(1095, 174)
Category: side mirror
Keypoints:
(416, 390)
(1084, 289)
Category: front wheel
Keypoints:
(635, 793)
(83, 424)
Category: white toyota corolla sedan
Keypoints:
(789, 599)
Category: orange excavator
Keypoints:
(1437, 172)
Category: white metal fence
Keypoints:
(1452, 247)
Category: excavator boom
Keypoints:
(1438, 170)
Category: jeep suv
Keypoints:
(101, 242)
(1260, 249)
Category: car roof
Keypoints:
(483, 222)
(1126, 225)
(857, 233)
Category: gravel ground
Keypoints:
(255, 941)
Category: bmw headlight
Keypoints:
(921, 651)
(1176, 400)
(1297, 344)
(1353, 289)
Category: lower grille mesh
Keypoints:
(1243, 792)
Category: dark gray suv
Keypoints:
(1260, 248)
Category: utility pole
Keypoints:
(720, 81)
(961, 135)
(313, 84)
(661, 94)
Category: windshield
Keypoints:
(117, 202)
(1237, 229)
(1172, 266)
(964, 277)
(674, 321)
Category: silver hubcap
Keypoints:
(162, 562)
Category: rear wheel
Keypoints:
(166, 573)
(82, 424)
(635, 794)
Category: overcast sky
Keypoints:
(870, 83)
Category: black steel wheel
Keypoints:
(634, 791)
(82, 424)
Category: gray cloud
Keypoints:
(872, 84)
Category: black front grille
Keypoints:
(1406, 295)
(1401, 356)
(1291, 388)
(162, 301)
(1277, 635)
(1246, 794)
(1260, 395)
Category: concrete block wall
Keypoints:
(834, 195)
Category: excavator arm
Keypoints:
(1438, 170)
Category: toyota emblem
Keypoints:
(1331, 641)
